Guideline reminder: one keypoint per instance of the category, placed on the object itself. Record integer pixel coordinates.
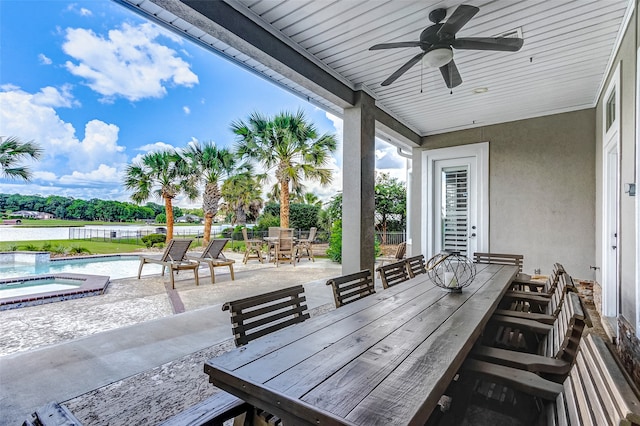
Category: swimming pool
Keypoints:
(114, 266)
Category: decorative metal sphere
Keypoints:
(451, 271)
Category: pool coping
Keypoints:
(92, 285)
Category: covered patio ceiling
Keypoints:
(319, 49)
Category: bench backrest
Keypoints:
(596, 391)
(562, 340)
(565, 284)
(415, 265)
(500, 259)
(349, 288)
(393, 273)
(257, 316)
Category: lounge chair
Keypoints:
(212, 256)
(174, 258)
(306, 245)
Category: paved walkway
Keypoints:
(59, 351)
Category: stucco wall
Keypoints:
(541, 189)
(626, 60)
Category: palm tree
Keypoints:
(288, 145)
(212, 164)
(243, 196)
(14, 150)
(164, 174)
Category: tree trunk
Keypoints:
(208, 220)
(210, 200)
(284, 203)
(168, 210)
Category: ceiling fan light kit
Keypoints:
(438, 41)
(438, 57)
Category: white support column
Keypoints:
(416, 217)
(358, 181)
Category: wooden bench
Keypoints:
(393, 273)
(52, 414)
(415, 265)
(349, 288)
(549, 348)
(596, 391)
(213, 411)
(256, 316)
(500, 259)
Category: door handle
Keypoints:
(614, 247)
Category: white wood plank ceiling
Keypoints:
(568, 46)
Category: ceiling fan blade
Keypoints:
(451, 75)
(393, 77)
(458, 19)
(504, 44)
(394, 45)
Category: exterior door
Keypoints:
(457, 200)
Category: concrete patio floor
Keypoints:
(67, 350)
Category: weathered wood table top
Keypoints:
(383, 360)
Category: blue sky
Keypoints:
(97, 86)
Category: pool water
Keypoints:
(36, 286)
(113, 266)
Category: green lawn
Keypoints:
(70, 246)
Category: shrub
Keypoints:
(161, 218)
(334, 251)
(58, 249)
(46, 246)
(78, 250)
(30, 247)
(153, 240)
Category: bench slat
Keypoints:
(351, 287)
(212, 411)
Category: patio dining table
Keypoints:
(385, 359)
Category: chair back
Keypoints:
(415, 265)
(257, 316)
(562, 342)
(349, 288)
(285, 239)
(176, 250)
(312, 234)
(401, 250)
(214, 249)
(244, 235)
(393, 273)
(500, 259)
(274, 231)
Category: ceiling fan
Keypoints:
(437, 41)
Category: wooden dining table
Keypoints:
(385, 359)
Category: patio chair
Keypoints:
(349, 288)
(499, 259)
(286, 248)
(399, 254)
(257, 316)
(306, 245)
(415, 265)
(393, 273)
(274, 233)
(212, 256)
(174, 258)
(252, 248)
(535, 346)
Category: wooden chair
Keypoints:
(539, 307)
(349, 288)
(257, 316)
(596, 391)
(540, 287)
(173, 258)
(535, 346)
(415, 266)
(286, 248)
(272, 237)
(401, 251)
(212, 256)
(393, 273)
(306, 245)
(500, 259)
(252, 248)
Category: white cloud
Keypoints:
(102, 176)
(128, 63)
(45, 176)
(186, 110)
(53, 97)
(82, 11)
(85, 12)
(44, 59)
(32, 117)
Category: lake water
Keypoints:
(17, 233)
